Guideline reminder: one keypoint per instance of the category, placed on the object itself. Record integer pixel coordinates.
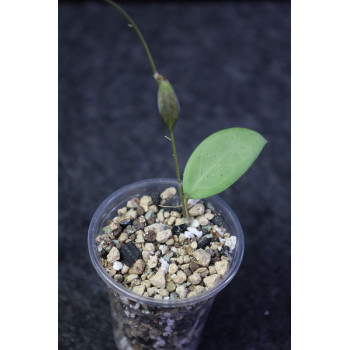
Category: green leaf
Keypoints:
(220, 160)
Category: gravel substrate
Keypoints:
(154, 251)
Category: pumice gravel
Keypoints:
(153, 251)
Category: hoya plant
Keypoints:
(219, 160)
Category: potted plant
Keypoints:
(166, 247)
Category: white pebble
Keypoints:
(117, 265)
(219, 231)
(231, 242)
(163, 249)
(164, 265)
(194, 232)
(100, 246)
(188, 234)
(192, 202)
(195, 223)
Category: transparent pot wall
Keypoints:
(141, 322)
(140, 326)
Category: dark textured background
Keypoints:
(230, 65)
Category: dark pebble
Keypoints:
(208, 205)
(156, 199)
(210, 251)
(124, 223)
(176, 230)
(127, 331)
(118, 230)
(187, 272)
(103, 254)
(140, 211)
(183, 227)
(150, 236)
(148, 342)
(138, 225)
(203, 242)
(205, 230)
(186, 324)
(151, 221)
(226, 250)
(217, 220)
(130, 229)
(129, 253)
(194, 266)
(214, 259)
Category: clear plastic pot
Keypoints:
(141, 322)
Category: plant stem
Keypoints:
(139, 34)
(182, 198)
(155, 75)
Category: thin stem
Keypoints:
(139, 34)
(182, 198)
(156, 76)
(169, 206)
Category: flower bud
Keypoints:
(168, 104)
